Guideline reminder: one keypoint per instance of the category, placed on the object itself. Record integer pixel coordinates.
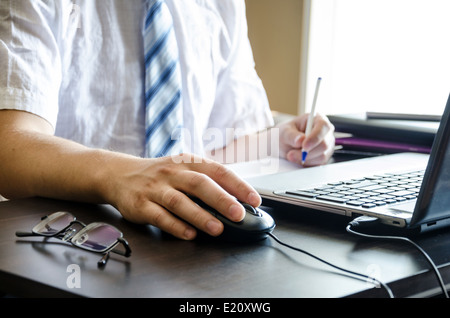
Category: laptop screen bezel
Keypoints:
(422, 213)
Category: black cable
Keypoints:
(358, 275)
(365, 220)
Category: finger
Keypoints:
(210, 192)
(311, 160)
(321, 159)
(321, 128)
(183, 207)
(317, 156)
(293, 131)
(294, 156)
(230, 182)
(160, 217)
(293, 137)
(212, 183)
(301, 121)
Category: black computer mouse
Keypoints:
(255, 226)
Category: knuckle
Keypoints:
(171, 227)
(172, 199)
(166, 170)
(323, 121)
(332, 128)
(221, 172)
(197, 180)
(157, 218)
(222, 199)
(196, 216)
(320, 120)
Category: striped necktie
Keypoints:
(163, 111)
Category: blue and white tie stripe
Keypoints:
(163, 115)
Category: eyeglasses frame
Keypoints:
(67, 233)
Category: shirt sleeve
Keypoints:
(241, 102)
(29, 57)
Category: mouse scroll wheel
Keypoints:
(251, 209)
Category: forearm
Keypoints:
(153, 191)
(39, 164)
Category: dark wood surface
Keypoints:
(163, 266)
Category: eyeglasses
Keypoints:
(95, 237)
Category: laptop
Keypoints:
(405, 190)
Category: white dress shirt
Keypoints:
(79, 65)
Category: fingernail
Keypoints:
(189, 234)
(254, 199)
(213, 227)
(306, 147)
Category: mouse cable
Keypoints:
(364, 221)
(359, 276)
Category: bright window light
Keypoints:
(379, 55)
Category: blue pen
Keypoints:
(310, 122)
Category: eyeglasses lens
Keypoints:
(54, 223)
(97, 237)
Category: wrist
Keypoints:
(110, 175)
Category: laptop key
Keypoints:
(360, 185)
(383, 190)
(372, 187)
(324, 188)
(395, 188)
(331, 199)
(401, 193)
(321, 192)
(302, 193)
(373, 178)
(355, 203)
(337, 194)
(351, 198)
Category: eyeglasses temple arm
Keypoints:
(127, 251)
(24, 234)
(102, 262)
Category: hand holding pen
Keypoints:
(307, 146)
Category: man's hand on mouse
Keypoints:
(155, 191)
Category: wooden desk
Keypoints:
(162, 266)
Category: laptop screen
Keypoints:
(434, 197)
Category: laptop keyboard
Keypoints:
(368, 192)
